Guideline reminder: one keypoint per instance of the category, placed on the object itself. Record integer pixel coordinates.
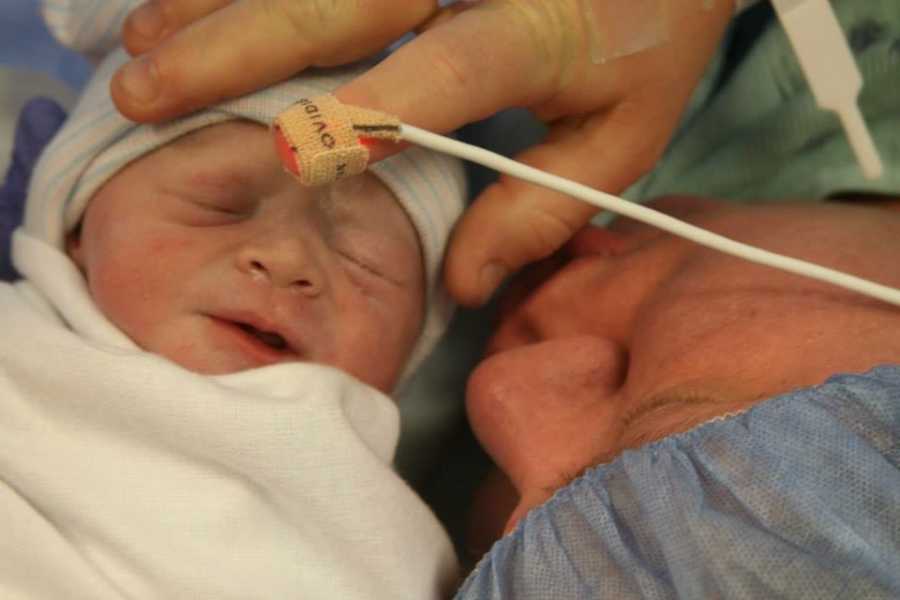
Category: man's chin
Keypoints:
(494, 502)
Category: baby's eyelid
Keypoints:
(225, 206)
(359, 262)
(367, 266)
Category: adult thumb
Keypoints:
(513, 223)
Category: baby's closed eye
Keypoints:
(367, 266)
(232, 206)
(372, 254)
(203, 210)
(360, 261)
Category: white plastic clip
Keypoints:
(833, 74)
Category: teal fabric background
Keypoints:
(754, 131)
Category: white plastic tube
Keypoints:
(652, 217)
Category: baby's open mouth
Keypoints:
(269, 338)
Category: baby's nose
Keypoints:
(283, 261)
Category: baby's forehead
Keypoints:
(212, 134)
(250, 144)
(240, 156)
(350, 193)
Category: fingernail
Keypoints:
(492, 275)
(147, 21)
(139, 80)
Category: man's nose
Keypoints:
(547, 411)
(285, 260)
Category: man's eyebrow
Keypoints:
(655, 402)
(666, 399)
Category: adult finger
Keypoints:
(494, 55)
(514, 223)
(249, 44)
(443, 15)
(155, 20)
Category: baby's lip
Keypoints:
(276, 338)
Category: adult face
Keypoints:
(635, 334)
(208, 253)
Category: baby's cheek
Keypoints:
(388, 343)
(167, 248)
(128, 281)
(120, 291)
(357, 353)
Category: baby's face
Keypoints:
(207, 253)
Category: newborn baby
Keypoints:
(221, 263)
(196, 362)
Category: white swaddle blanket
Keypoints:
(123, 475)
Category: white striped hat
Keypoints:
(96, 142)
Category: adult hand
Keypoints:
(609, 122)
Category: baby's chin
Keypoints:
(215, 364)
(218, 360)
(220, 348)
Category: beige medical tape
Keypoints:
(320, 138)
(623, 27)
(620, 28)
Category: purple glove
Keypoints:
(38, 122)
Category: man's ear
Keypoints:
(891, 203)
(882, 201)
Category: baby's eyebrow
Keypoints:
(222, 178)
